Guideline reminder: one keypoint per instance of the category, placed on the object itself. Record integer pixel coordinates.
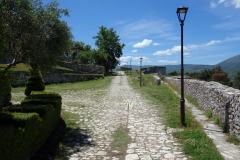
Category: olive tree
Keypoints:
(34, 33)
(108, 41)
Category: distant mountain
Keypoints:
(231, 65)
(169, 68)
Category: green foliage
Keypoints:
(108, 41)
(28, 126)
(120, 140)
(34, 82)
(220, 76)
(85, 57)
(197, 144)
(206, 74)
(236, 81)
(216, 119)
(173, 73)
(74, 54)
(209, 113)
(37, 34)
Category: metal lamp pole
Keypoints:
(141, 71)
(127, 68)
(182, 10)
(130, 67)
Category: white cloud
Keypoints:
(144, 43)
(189, 47)
(144, 28)
(166, 61)
(125, 59)
(228, 39)
(227, 17)
(157, 44)
(213, 5)
(134, 50)
(138, 58)
(148, 61)
(221, 1)
(170, 51)
(211, 43)
(186, 54)
(235, 3)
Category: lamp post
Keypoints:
(141, 71)
(130, 67)
(182, 11)
(127, 68)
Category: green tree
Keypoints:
(221, 76)
(85, 57)
(79, 44)
(173, 73)
(74, 54)
(108, 41)
(236, 81)
(5, 78)
(34, 33)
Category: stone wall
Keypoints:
(50, 78)
(153, 69)
(83, 67)
(124, 69)
(222, 100)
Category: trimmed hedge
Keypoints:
(25, 128)
(34, 82)
(18, 131)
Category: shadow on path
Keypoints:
(61, 140)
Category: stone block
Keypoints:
(157, 80)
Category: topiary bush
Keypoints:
(34, 82)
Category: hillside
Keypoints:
(231, 65)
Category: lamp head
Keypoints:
(181, 13)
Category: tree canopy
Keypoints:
(108, 41)
(34, 33)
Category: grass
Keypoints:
(120, 141)
(233, 139)
(195, 142)
(24, 67)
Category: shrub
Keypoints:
(220, 76)
(34, 82)
(25, 128)
(209, 113)
(216, 119)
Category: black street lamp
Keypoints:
(130, 67)
(127, 68)
(141, 71)
(182, 11)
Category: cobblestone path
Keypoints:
(120, 106)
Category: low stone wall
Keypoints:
(153, 69)
(50, 78)
(157, 80)
(83, 67)
(222, 100)
(124, 69)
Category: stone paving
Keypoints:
(115, 107)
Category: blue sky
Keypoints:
(150, 29)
